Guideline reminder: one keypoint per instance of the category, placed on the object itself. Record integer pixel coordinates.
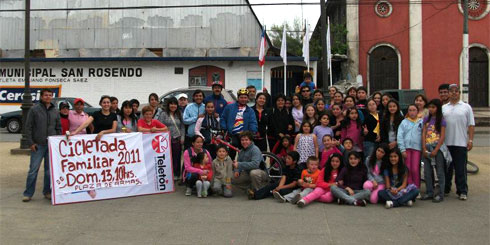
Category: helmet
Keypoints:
(242, 91)
(217, 83)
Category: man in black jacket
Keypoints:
(43, 120)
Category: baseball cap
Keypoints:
(78, 100)
(182, 95)
(63, 105)
(454, 85)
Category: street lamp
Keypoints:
(27, 97)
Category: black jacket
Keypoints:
(42, 122)
(279, 121)
(262, 122)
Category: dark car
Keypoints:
(227, 93)
(12, 120)
(405, 97)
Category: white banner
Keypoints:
(118, 165)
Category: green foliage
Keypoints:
(294, 37)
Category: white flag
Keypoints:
(306, 45)
(284, 48)
(329, 47)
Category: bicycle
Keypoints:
(271, 163)
(471, 168)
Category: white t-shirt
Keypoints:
(458, 118)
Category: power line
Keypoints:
(351, 2)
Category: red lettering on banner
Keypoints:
(79, 179)
(93, 162)
(83, 147)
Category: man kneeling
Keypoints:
(247, 166)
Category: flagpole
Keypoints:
(330, 55)
(262, 74)
(308, 62)
(285, 79)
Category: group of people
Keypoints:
(351, 148)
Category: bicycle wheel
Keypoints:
(472, 168)
(273, 165)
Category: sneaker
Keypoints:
(279, 197)
(47, 196)
(188, 191)
(463, 197)
(250, 194)
(26, 199)
(419, 196)
(426, 197)
(360, 203)
(437, 199)
(204, 194)
(301, 203)
(389, 204)
(410, 203)
(340, 201)
(296, 199)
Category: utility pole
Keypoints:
(466, 58)
(27, 97)
(323, 19)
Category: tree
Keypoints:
(294, 37)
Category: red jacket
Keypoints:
(283, 152)
(65, 125)
(321, 181)
(208, 167)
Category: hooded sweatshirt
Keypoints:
(410, 134)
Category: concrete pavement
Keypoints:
(177, 219)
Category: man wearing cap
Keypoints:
(182, 100)
(77, 117)
(459, 139)
(217, 98)
(43, 120)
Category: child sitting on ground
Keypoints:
(223, 172)
(326, 179)
(349, 182)
(307, 182)
(398, 192)
(203, 183)
(289, 179)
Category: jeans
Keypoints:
(176, 156)
(255, 179)
(411, 195)
(342, 194)
(267, 191)
(429, 173)
(459, 155)
(190, 179)
(368, 185)
(319, 194)
(35, 164)
(301, 192)
(413, 165)
(368, 148)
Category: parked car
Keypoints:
(405, 97)
(227, 93)
(12, 120)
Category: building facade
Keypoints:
(404, 44)
(90, 48)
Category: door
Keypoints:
(478, 77)
(383, 69)
(294, 77)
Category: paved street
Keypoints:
(176, 219)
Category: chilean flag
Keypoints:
(263, 44)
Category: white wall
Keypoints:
(157, 77)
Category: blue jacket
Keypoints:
(218, 101)
(227, 119)
(191, 114)
(409, 135)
